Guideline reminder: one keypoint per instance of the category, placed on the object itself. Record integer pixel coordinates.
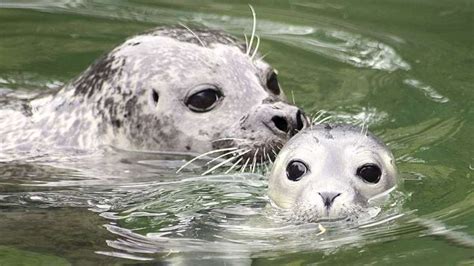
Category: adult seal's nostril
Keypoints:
(281, 123)
(298, 121)
(301, 121)
(328, 198)
(282, 119)
(288, 120)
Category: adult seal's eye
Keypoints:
(370, 173)
(296, 170)
(272, 84)
(203, 100)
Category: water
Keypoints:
(403, 67)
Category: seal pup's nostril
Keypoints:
(280, 123)
(328, 198)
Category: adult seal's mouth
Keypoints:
(260, 134)
(259, 140)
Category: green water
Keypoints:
(404, 67)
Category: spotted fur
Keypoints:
(133, 98)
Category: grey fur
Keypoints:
(133, 98)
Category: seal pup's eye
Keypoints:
(296, 170)
(272, 83)
(203, 100)
(370, 173)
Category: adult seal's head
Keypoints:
(331, 171)
(172, 89)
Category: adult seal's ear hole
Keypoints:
(341, 184)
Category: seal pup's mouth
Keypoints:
(314, 214)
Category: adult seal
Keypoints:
(168, 89)
(331, 172)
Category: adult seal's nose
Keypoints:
(291, 124)
(282, 119)
(286, 119)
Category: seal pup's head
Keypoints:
(173, 89)
(331, 172)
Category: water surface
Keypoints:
(403, 67)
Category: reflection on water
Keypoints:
(410, 85)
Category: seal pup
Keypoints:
(168, 89)
(331, 172)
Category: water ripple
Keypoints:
(333, 43)
(429, 91)
(348, 48)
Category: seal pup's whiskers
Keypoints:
(316, 116)
(222, 163)
(202, 155)
(364, 122)
(364, 128)
(320, 114)
(323, 120)
(192, 32)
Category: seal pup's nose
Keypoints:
(328, 198)
(290, 124)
